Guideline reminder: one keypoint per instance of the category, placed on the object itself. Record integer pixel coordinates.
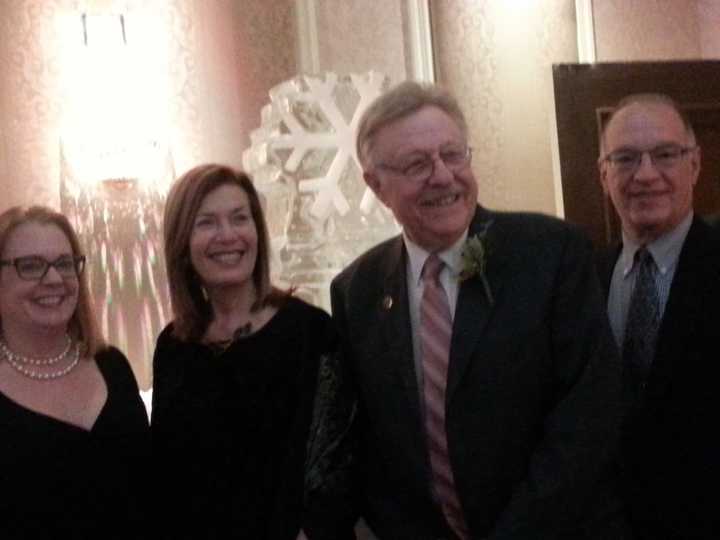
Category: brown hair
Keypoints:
(650, 99)
(399, 102)
(83, 324)
(192, 311)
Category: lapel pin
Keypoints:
(387, 302)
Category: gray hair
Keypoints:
(399, 102)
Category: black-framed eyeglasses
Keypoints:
(35, 267)
(419, 167)
(663, 157)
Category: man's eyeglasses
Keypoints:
(34, 267)
(663, 157)
(419, 167)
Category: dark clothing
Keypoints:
(670, 438)
(62, 481)
(533, 392)
(231, 428)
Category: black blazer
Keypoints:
(669, 442)
(532, 406)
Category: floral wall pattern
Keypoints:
(496, 57)
(355, 37)
(646, 30)
(709, 17)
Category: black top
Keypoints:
(62, 481)
(230, 428)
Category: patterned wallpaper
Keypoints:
(355, 37)
(709, 21)
(29, 110)
(496, 57)
(646, 30)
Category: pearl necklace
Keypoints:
(21, 368)
(36, 361)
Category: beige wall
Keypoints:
(709, 17)
(657, 29)
(355, 37)
(646, 30)
(496, 57)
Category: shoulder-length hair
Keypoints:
(192, 311)
(83, 323)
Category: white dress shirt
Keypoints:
(449, 280)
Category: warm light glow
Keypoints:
(114, 85)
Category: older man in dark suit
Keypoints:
(488, 383)
(664, 303)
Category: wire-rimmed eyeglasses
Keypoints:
(419, 167)
(35, 267)
(663, 157)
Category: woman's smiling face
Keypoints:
(223, 242)
(45, 304)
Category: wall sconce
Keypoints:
(102, 22)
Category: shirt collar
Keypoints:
(665, 250)
(418, 255)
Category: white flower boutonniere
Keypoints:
(474, 259)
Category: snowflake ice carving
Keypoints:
(320, 213)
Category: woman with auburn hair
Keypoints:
(249, 414)
(74, 430)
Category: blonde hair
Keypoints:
(191, 309)
(399, 102)
(83, 324)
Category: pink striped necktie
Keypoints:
(435, 334)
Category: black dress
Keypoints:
(58, 480)
(231, 429)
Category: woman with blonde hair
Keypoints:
(74, 430)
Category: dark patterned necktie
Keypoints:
(435, 335)
(643, 321)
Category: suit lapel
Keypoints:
(694, 269)
(473, 306)
(394, 317)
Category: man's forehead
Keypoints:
(646, 120)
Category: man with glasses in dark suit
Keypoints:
(488, 384)
(663, 285)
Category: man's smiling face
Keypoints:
(435, 212)
(653, 198)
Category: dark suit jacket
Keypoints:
(669, 441)
(532, 404)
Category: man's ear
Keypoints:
(602, 169)
(374, 183)
(695, 160)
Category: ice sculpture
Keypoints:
(320, 213)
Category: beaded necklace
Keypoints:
(20, 363)
(37, 361)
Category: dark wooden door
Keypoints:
(584, 98)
